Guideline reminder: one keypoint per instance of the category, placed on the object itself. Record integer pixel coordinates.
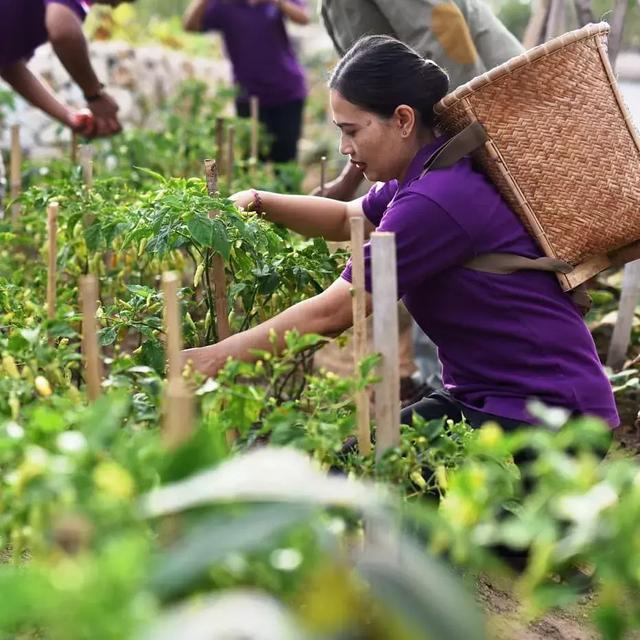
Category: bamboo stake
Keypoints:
(217, 274)
(16, 161)
(217, 268)
(73, 150)
(255, 111)
(178, 413)
(86, 160)
(170, 282)
(359, 330)
(385, 340)
(231, 136)
(630, 290)
(179, 410)
(90, 348)
(15, 174)
(52, 232)
(220, 144)
(323, 174)
(629, 298)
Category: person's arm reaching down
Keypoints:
(32, 89)
(328, 314)
(64, 30)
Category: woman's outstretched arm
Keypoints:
(308, 215)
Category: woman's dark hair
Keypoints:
(379, 73)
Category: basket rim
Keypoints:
(540, 51)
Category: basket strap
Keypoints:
(471, 138)
(504, 263)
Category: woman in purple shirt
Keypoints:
(264, 63)
(503, 339)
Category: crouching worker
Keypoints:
(26, 25)
(502, 339)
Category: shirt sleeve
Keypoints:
(428, 241)
(81, 9)
(212, 18)
(378, 199)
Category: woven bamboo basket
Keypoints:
(561, 149)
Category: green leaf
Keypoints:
(47, 420)
(421, 591)
(153, 174)
(152, 354)
(219, 239)
(141, 290)
(201, 229)
(31, 335)
(107, 336)
(218, 536)
(92, 237)
(103, 419)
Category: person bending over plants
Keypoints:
(502, 339)
(27, 24)
(264, 63)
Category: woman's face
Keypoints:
(375, 144)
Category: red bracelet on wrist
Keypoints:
(256, 205)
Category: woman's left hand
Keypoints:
(242, 199)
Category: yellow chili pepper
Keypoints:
(42, 386)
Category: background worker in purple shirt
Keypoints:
(264, 63)
(27, 24)
(502, 339)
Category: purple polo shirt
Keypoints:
(22, 26)
(502, 339)
(256, 41)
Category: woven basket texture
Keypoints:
(561, 134)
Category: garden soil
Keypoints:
(505, 621)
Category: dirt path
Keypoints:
(504, 622)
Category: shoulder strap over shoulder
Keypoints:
(462, 144)
(472, 137)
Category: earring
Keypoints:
(404, 134)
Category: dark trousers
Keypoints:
(440, 404)
(283, 122)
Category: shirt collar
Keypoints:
(417, 164)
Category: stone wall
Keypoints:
(135, 77)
